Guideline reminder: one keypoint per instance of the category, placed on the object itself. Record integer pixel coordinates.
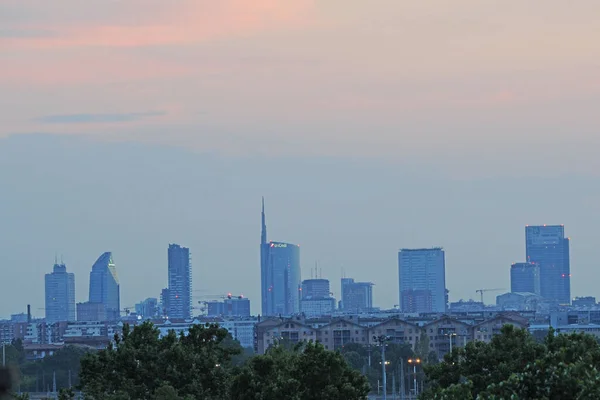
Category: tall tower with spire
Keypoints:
(279, 275)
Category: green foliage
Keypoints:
(66, 394)
(142, 365)
(307, 372)
(516, 366)
(64, 362)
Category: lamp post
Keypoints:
(450, 337)
(414, 362)
(381, 340)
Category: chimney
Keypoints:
(29, 313)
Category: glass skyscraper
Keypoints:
(356, 296)
(180, 282)
(525, 278)
(60, 295)
(422, 280)
(104, 286)
(547, 247)
(280, 275)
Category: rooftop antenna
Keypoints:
(61, 260)
(55, 258)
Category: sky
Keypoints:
(368, 127)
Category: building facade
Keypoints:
(280, 275)
(422, 280)
(315, 288)
(89, 311)
(547, 247)
(230, 307)
(148, 308)
(317, 306)
(356, 296)
(104, 286)
(60, 295)
(525, 278)
(180, 282)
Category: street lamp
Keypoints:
(450, 337)
(414, 362)
(381, 340)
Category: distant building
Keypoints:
(164, 302)
(60, 295)
(90, 311)
(147, 309)
(180, 283)
(104, 286)
(229, 307)
(422, 280)
(313, 288)
(317, 306)
(466, 306)
(515, 301)
(316, 298)
(588, 301)
(356, 296)
(279, 275)
(525, 278)
(547, 247)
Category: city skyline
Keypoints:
(105, 261)
(363, 139)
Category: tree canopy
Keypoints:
(514, 366)
(307, 372)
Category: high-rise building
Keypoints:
(316, 298)
(89, 311)
(60, 295)
(280, 275)
(356, 296)
(312, 288)
(422, 280)
(180, 283)
(525, 278)
(104, 286)
(148, 308)
(230, 307)
(547, 247)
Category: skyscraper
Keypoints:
(316, 298)
(60, 295)
(547, 247)
(525, 278)
(180, 282)
(356, 296)
(422, 280)
(280, 275)
(312, 288)
(104, 286)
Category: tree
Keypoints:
(143, 365)
(515, 366)
(306, 372)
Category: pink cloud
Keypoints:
(186, 22)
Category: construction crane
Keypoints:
(482, 291)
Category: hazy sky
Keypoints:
(367, 125)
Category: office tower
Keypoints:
(422, 280)
(525, 278)
(180, 283)
(104, 286)
(230, 307)
(89, 311)
(547, 247)
(60, 295)
(315, 288)
(164, 302)
(148, 308)
(316, 298)
(356, 296)
(280, 275)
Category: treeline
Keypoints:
(207, 364)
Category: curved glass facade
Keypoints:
(104, 286)
(282, 278)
